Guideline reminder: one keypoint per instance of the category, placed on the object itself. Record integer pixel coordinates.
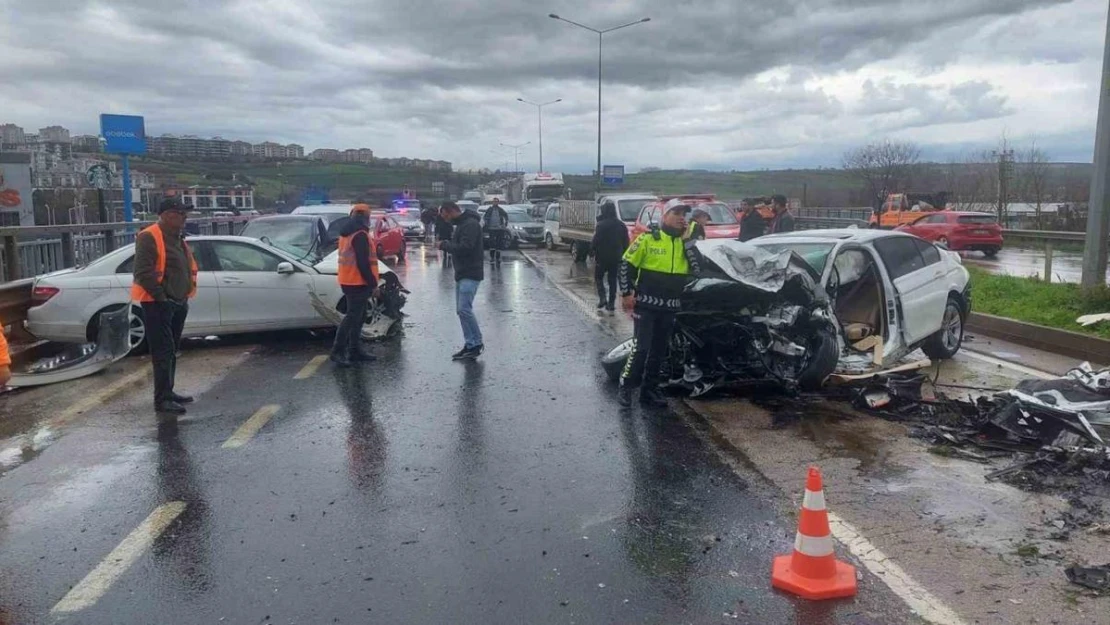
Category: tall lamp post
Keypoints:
(600, 34)
(516, 154)
(539, 114)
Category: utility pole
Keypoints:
(539, 114)
(516, 154)
(1098, 211)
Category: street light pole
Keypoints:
(600, 34)
(1098, 208)
(539, 114)
(516, 154)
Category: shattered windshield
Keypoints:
(815, 254)
(295, 237)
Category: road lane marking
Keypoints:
(89, 590)
(100, 397)
(310, 369)
(920, 600)
(251, 427)
(1044, 375)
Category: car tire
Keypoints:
(613, 361)
(137, 329)
(824, 355)
(947, 341)
(992, 252)
(581, 252)
(549, 242)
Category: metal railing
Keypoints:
(26, 252)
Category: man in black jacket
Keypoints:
(610, 242)
(752, 224)
(465, 247)
(783, 220)
(496, 224)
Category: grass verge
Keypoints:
(1034, 301)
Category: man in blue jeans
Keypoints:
(465, 248)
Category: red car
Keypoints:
(389, 235)
(722, 218)
(959, 231)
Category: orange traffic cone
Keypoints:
(812, 572)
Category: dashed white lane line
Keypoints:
(90, 589)
(921, 601)
(251, 427)
(99, 397)
(1044, 375)
(311, 368)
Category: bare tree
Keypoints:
(1033, 180)
(887, 166)
(971, 182)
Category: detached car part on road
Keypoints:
(795, 308)
(244, 286)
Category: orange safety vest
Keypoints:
(5, 357)
(349, 274)
(138, 293)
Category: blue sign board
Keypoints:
(123, 134)
(612, 174)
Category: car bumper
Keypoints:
(59, 331)
(974, 243)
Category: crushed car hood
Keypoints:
(753, 266)
(736, 275)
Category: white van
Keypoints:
(551, 226)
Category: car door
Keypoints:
(551, 222)
(204, 308)
(930, 228)
(253, 295)
(386, 236)
(918, 278)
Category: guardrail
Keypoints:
(29, 251)
(15, 299)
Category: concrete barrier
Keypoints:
(1063, 342)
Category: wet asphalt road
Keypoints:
(414, 490)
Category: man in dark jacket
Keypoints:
(752, 224)
(496, 224)
(443, 233)
(610, 242)
(358, 278)
(783, 220)
(465, 247)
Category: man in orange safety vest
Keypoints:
(358, 277)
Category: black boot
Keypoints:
(169, 407)
(341, 361)
(181, 399)
(624, 396)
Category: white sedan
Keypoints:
(244, 285)
(902, 290)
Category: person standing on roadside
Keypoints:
(698, 220)
(465, 247)
(358, 277)
(496, 223)
(5, 359)
(610, 242)
(443, 233)
(752, 224)
(428, 217)
(783, 220)
(164, 280)
(654, 271)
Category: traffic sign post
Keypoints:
(612, 174)
(124, 135)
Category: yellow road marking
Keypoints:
(101, 396)
(89, 590)
(310, 369)
(251, 427)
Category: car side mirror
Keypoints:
(285, 268)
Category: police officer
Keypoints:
(358, 277)
(699, 218)
(165, 279)
(654, 271)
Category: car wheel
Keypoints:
(613, 361)
(823, 352)
(549, 241)
(992, 252)
(136, 328)
(947, 341)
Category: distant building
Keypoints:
(12, 135)
(269, 149)
(294, 151)
(241, 148)
(188, 147)
(86, 143)
(358, 155)
(203, 197)
(325, 154)
(54, 134)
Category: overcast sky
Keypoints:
(719, 84)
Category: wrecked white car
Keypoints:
(793, 309)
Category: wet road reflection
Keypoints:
(366, 441)
(183, 551)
